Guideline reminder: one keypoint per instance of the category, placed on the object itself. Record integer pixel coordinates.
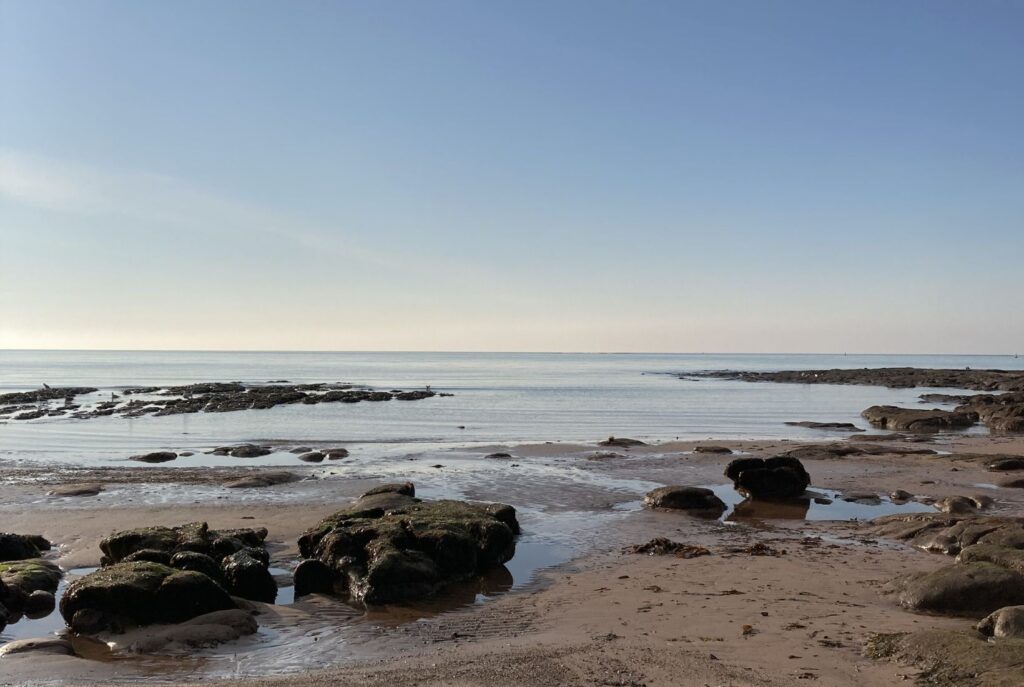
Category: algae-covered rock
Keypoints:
(389, 547)
(196, 547)
(31, 575)
(965, 589)
(139, 593)
(247, 576)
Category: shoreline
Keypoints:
(565, 628)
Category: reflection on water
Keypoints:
(817, 504)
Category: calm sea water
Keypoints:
(499, 398)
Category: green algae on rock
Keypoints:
(139, 593)
(391, 547)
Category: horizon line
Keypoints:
(491, 352)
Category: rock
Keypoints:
(313, 577)
(499, 456)
(949, 534)
(249, 451)
(622, 442)
(956, 505)
(900, 495)
(44, 394)
(917, 420)
(202, 631)
(198, 562)
(775, 478)
(1003, 556)
(1006, 464)
(1000, 413)
(892, 377)
(139, 593)
(262, 479)
(17, 547)
(30, 575)
(685, 498)
(300, 449)
(943, 398)
(312, 457)
(336, 453)
(865, 497)
(42, 645)
(156, 457)
(39, 603)
(248, 577)
(1006, 622)
(403, 488)
(389, 547)
(90, 489)
(151, 555)
(838, 426)
(712, 449)
(967, 589)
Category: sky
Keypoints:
(743, 176)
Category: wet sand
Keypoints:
(599, 616)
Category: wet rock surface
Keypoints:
(139, 593)
(837, 426)
(391, 547)
(917, 420)
(781, 477)
(155, 457)
(16, 547)
(699, 499)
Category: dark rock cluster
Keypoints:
(390, 546)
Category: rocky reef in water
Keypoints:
(211, 397)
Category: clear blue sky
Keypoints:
(646, 176)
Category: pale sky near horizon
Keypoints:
(758, 175)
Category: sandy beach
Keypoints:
(775, 601)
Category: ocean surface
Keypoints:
(499, 398)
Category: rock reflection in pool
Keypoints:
(817, 504)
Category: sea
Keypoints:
(497, 398)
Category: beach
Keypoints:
(778, 592)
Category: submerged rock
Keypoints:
(262, 479)
(685, 498)
(781, 477)
(155, 457)
(391, 547)
(139, 593)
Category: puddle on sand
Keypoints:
(739, 508)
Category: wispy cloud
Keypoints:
(161, 202)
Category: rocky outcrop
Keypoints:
(837, 426)
(967, 589)
(239, 554)
(698, 500)
(155, 457)
(1000, 413)
(917, 420)
(391, 547)
(621, 442)
(17, 547)
(139, 593)
(780, 477)
(949, 534)
(39, 395)
(892, 377)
